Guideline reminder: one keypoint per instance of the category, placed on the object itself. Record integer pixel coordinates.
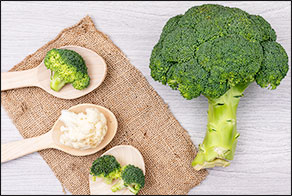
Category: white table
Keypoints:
(262, 164)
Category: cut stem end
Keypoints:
(215, 163)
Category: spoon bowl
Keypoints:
(40, 76)
(51, 139)
(112, 125)
(125, 154)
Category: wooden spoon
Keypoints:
(40, 76)
(125, 154)
(51, 139)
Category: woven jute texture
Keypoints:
(144, 120)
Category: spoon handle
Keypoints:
(18, 79)
(20, 148)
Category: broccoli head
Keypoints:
(67, 66)
(132, 178)
(105, 167)
(217, 52)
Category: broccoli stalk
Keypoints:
(107, 180)
(57, 82)
(221, 137)
(118, 186)
(134, 188)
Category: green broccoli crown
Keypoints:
(212, 48)
(133, 175)
(106, 167)
(68, 67)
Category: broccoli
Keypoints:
(131, 177)
(106, 167)
(66, 66)
(217, 52)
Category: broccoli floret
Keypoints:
(274, 65)
(132, 178)
(106, 167)
(67, 66)
(217, 51)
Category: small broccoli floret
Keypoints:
(106, 167)
(132, 178)
(217, 51)
(274, 66)
(67, 66)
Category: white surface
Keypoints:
(262, 163)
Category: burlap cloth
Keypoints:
(144, 120)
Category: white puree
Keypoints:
(83, 131)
